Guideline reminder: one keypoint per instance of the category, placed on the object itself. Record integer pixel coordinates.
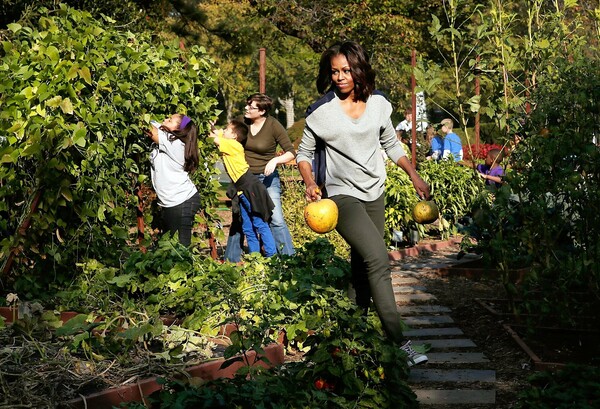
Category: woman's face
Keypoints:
(252, 112)
(172, 123)
(341, 75)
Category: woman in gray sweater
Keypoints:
(344, 131)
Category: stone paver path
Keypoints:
(457, 373)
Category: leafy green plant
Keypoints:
(453, 188)
(352, 367)
(301, 296)
(575, 386)
(555, 181)
(526, 57)
(348, 361)
(77, 94)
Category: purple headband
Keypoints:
(185, 120)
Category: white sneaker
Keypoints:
(414, 358)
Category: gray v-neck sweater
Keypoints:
(355, 165)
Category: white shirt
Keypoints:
(406, 126)
(171, 182)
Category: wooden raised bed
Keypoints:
(477, 269)
(553, 348)
(141, 389)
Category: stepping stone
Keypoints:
(417, 309)
(404, 280)
(428, 320)
(456, 357)
(409, 274)
(407, 298)
(400, 272)
(409, 289)
(446, 343)
(415, 266)
(455, 397)
(452, 375)
(432, 332)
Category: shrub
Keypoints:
(547, 216)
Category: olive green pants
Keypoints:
(361, 224)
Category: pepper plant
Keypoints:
(455, 189)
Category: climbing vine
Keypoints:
(76, 96)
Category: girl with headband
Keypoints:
(174, 157)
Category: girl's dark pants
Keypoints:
(180, 218)
(361, 224)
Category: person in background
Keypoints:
(250, 200)
(492, 170)
(264, 136)
(344, 131)
(174, 157)
(452, 143)
(404, 128)
(436, 143)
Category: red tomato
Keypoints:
(320, 383)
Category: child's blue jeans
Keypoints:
(256, 229)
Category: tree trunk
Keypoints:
(288, 105)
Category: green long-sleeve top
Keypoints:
(262, 147)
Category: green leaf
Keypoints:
(135, 333)
(121, 280)
(76, 324)
(54, 102)
(66, 106)
(73, 71)
(474, 103)
(79, 338)
(53, 54)
(79, 134)
(29, 92)
(100, 213)
(15, 127)
(14, 27)
(66, 193)
(543, 43)
(84, 72)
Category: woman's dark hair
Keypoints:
(189, 136)
(263, 102)
(360, 67)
